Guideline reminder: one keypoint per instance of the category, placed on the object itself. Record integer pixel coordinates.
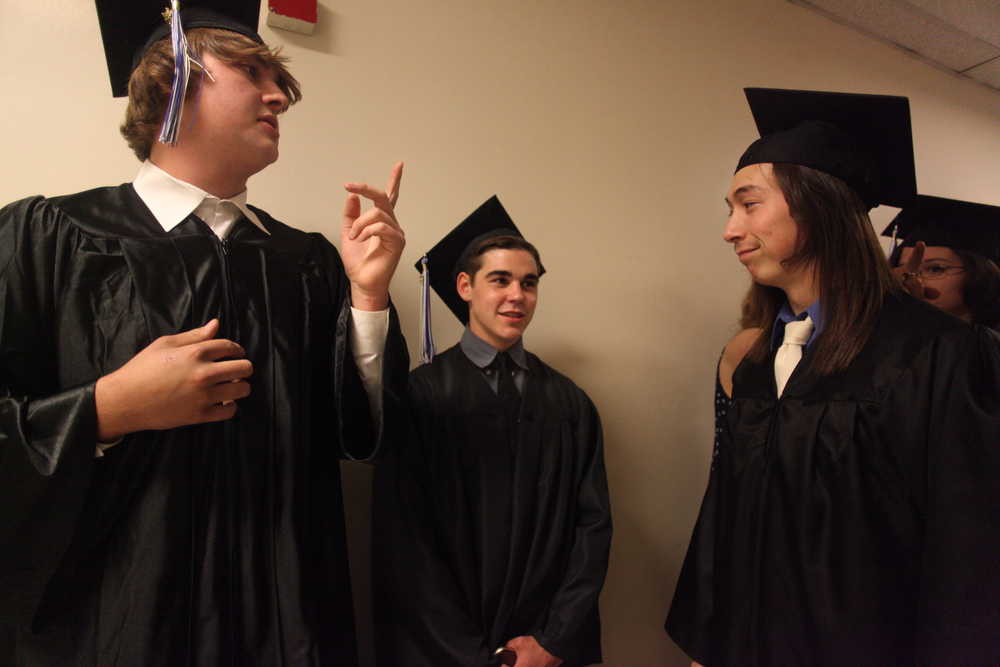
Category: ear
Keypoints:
(463, 284)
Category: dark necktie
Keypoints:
(507, 392)
(506, 389)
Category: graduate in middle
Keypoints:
(492, 529)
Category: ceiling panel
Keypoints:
(988, 73)
(913, 28)
(960, 35)
(979, 18)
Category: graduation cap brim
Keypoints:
(952, 223)
(865, 140)
(490, 220)
(129, 27)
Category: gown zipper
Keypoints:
(228, 329)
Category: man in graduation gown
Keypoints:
(852, 515)
(494, 530)
(180, 375)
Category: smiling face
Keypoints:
(943, 284)
(761, 228)
(501, 296)
(233, 117)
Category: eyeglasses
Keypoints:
(938, 270)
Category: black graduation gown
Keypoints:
(855, 520)
(214, 544)
(478, 537)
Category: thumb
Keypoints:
(206, 331)
(352, 209)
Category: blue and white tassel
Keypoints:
(182, 74)
(426, 335)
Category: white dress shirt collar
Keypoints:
(171, 200)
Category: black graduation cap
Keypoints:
(488, 221)
(956, 224)
(865, 140)
(129, 27)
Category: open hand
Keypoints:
(371, 243)
(187, 378)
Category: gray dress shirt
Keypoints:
(482, 355)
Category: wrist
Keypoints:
(369, 300)
(110, 421)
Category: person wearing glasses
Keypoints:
(950, 256)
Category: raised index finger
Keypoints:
(395, 176)
(378, 197)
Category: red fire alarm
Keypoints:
(294, 15)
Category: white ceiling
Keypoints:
(960, 35)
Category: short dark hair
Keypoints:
(471, 259)
(836, 236)
(149, 85)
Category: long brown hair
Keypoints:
(981, 291)
(836, 236)
(752, 314)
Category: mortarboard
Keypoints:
(956, 224)
(439, 266)
(130, 27)
(865, 140)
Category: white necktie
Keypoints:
(790, 352)
(218, 214)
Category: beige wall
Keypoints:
(609, 130)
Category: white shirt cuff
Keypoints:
(369, 329)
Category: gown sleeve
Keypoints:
(47, 433)
(361, 433)
(571, 612)
(957, 384)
